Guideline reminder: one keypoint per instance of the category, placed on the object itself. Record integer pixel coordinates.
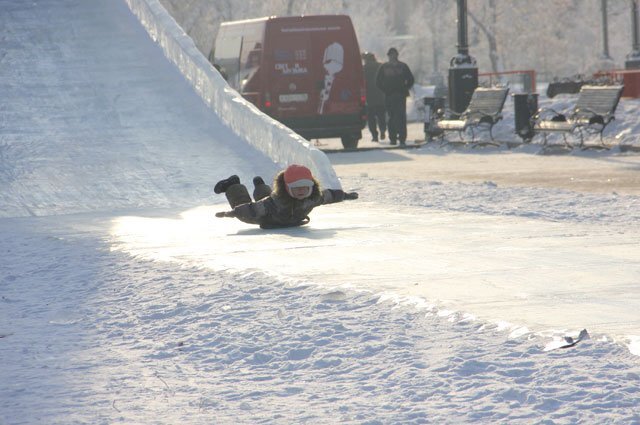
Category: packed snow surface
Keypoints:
(428, 300)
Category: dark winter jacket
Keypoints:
(281, 210)
(375, 96)
(394, 78)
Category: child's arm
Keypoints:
(330, 196)
(350, 195)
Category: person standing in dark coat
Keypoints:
(395, 79)
(376, 111)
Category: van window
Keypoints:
(227, 55)
(249, 65)
(238, 48)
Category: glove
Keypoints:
(223, 214)
(350, 195)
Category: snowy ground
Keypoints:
(437, 297)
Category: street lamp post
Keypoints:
(463, 71)
(463, 39)
(633, 58)
(605, 31)
(606, 62)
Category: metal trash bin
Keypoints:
(433, 111)
(462, 83)
(525, 106)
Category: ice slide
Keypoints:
(95, 118)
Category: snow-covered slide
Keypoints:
(95, 118)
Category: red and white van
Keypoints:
(304, 71)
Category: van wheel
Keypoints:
(349, 142)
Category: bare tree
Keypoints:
(554, 37)
(488, 26)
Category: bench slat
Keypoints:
(555, 126)
(457, 125)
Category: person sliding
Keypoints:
(295, 193)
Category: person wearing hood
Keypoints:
(395, 79)
(296, 192)
(376, 111)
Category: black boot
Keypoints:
(223, 185)
(257, 180)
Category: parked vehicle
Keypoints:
(304, 71)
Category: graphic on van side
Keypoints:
(282, 55)
(333, 62)
(296, 69)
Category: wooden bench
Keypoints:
(483, 112)
(593, 111)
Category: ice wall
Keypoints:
(267, 135)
